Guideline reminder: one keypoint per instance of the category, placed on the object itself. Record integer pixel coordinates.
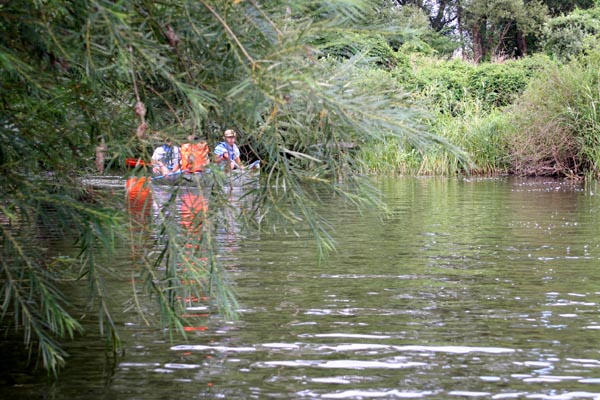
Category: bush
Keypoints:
(555, 126)
(499, 84)
(451, 85)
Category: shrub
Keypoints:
(499, 84)
(449, 86)
(555, 123)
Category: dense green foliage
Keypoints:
(83, 82)
(572, 34)
(530, 116)
(450, 85)
(464, 104)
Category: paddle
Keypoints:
(168, 175)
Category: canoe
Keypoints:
(238, 178)
(202, 179)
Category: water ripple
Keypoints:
(370, 394)
(342, 364)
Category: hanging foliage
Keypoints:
(86, 84)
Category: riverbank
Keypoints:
(538, 117)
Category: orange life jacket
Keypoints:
(139, 198)
(194, 156)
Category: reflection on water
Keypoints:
(483, 288)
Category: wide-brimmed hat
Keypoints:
(229, 133)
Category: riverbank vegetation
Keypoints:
(531, 116)
(323, 92)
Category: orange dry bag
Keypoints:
(194, 156)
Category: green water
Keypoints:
(482, 288)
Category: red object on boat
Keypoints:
(134, 162)
(195, 328)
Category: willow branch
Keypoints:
(266, 17)
(230, 32)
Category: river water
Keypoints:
(473, 288)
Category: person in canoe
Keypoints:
(166, 158)
(227, 153)
(194, 155)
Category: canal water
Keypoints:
(470, 288)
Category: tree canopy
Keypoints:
(497, 28)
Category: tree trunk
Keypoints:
(479, 47)
(437, 20)
(521, 44)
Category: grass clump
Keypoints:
(554, 127)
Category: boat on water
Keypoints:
(237, 178)
(181, 178)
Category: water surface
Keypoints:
(480, 288)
